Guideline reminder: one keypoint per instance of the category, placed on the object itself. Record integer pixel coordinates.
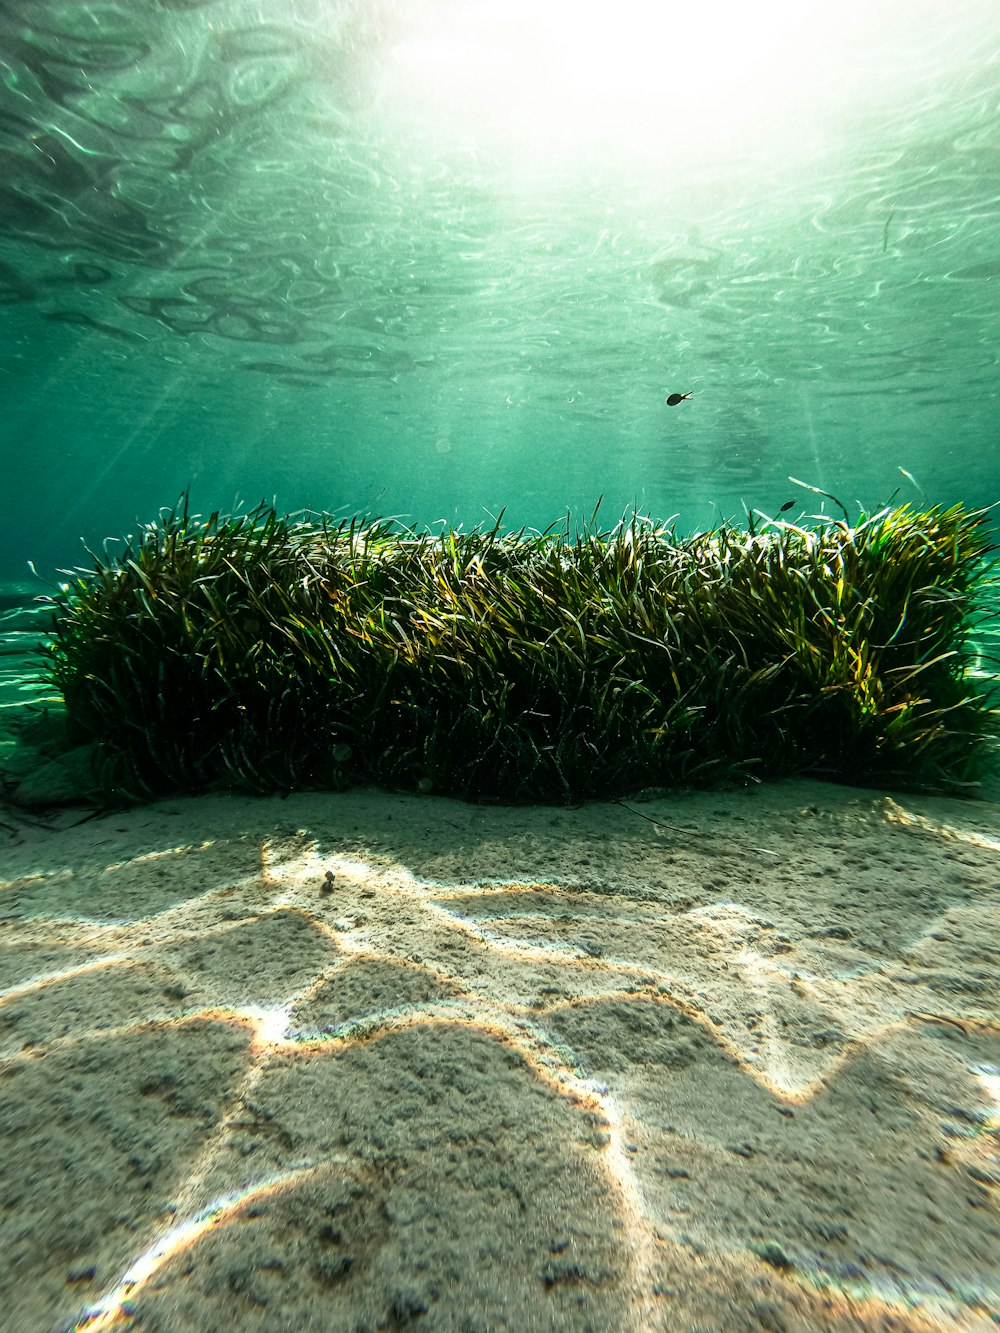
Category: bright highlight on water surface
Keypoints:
(682, 79)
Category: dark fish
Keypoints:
(789, 504)
(676, 398)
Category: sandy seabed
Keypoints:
(718, 1061)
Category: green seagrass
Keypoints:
(268, 653)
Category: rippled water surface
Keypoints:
(440, 257)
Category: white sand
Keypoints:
(519, 1069)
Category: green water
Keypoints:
(436, 259)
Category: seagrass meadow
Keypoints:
(268, 654)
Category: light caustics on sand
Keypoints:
(760, 973)
(141, 858)
(764, 1054)
(772, 1073)
(872, 1298)
(113, 1306)
(879, 1302)
(551, 1062)
(46, 979)
(896, 814)
(989, 1078)
(295, 882)
(292, 886)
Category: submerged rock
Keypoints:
(67, 778)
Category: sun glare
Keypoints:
(650, 73)
(563, 70)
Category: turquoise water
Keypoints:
(437, 259)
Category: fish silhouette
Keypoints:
(676, 398)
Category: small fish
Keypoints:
(676, 398)
(789, 504)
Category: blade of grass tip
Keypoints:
(816, 491)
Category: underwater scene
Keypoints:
(499, 634)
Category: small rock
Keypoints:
(60, 781)
(562, 1270)
(772, 1253)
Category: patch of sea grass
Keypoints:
(267, 653)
